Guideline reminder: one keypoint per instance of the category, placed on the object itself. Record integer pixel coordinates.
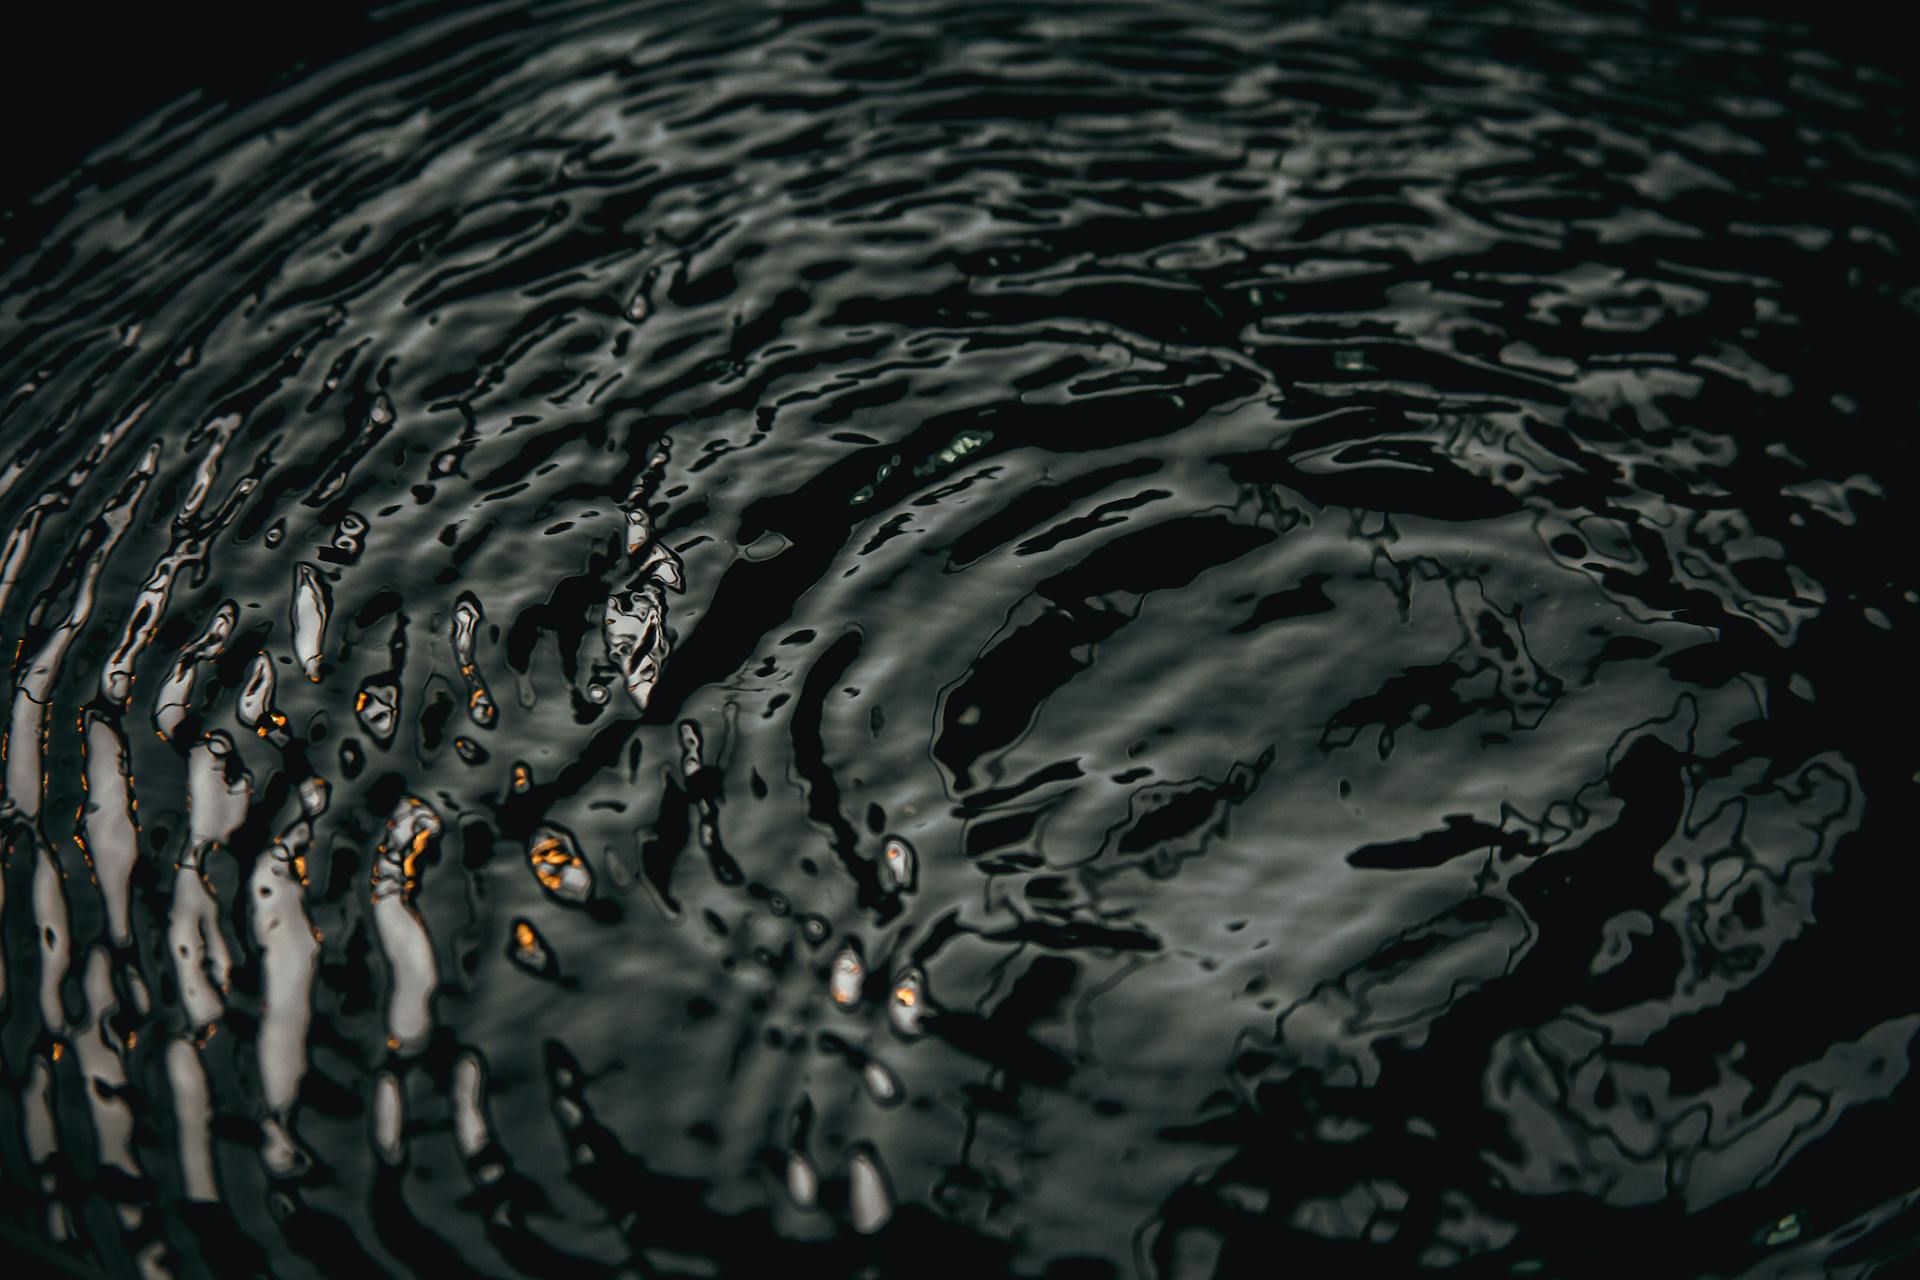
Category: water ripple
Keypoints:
(1141, 639)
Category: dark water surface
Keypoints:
(920, 639)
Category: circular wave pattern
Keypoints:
(1147, 639)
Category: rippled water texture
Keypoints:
(913, 640)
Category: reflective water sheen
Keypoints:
(924, 638)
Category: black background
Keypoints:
(73, 76)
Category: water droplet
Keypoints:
(847, 975)
(869, 1198)
(881, 1083)
(803, 1180)
(378, 709)
(466, 628)
(469, 1098)
(558, 866)
(314, 793)
(312, 607)
(255, 709)
(635, 630)
(412, 968)
(526, 948)
(903, 866)
(639, 530)
(389, 1118)
(907, 1002)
